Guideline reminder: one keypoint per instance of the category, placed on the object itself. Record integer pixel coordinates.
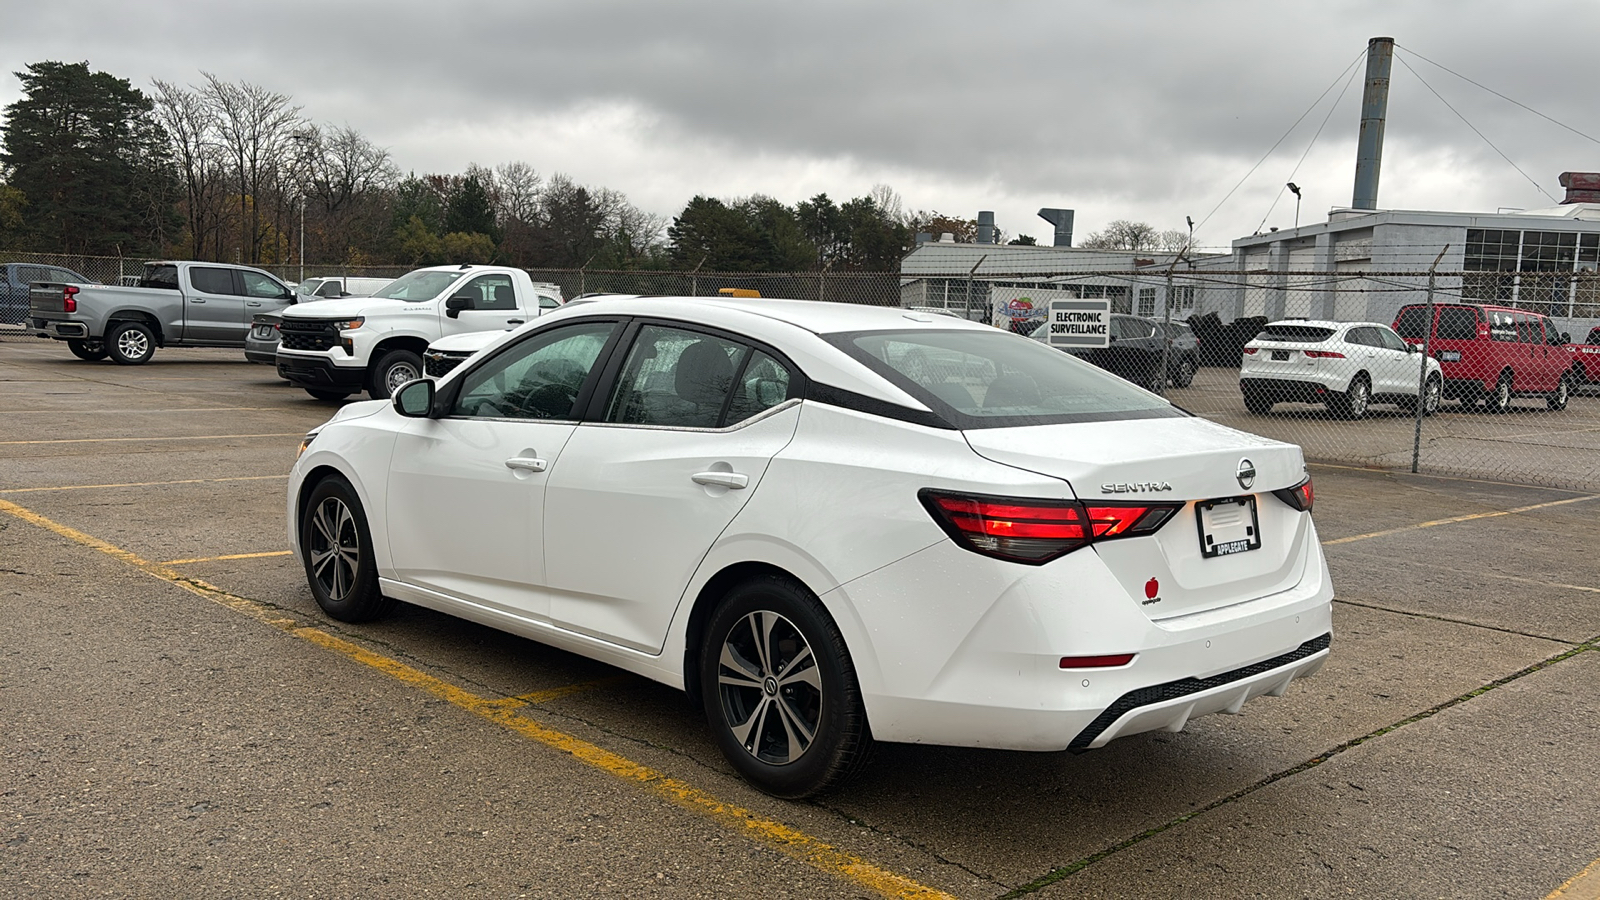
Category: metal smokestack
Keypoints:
(985, 227)
(1062, 220)
(1374, 107)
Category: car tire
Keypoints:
(1183, 373)
(1353, 403)
(1257, 404)
(1558, 398)
(1500, 400)
(130, 343)
(336, 548)
(327, 395)
(1432, 395)
(760, 710)
(392, 370)
(90, 351)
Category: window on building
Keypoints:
(1147, 301)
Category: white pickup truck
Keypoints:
(335, 348)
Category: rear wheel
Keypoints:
(1353, 403)
(337, 549)
(392, 370)
(130, 343)
(1500, 400)
(780, 691)
(1557, 399)
(87, 350)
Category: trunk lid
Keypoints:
(1185, 460)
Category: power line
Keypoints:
(1498, 94)
(1302, 159)
(1280, 140)
(1476, 131)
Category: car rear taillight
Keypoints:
(69, 299)
(1300, 496)
(1037, 531)
(1324, 354)
(1249, 350)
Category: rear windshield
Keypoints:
(418, 286)
(160, 276)
(1300, 334)
(992, 379)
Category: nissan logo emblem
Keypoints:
(1247, 473)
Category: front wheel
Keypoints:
(130, 343)
(393, 370)
(780, 691)
(1183, 373)
(336, 547)
(92, 351)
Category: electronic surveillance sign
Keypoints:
(1079, 323)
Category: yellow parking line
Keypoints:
(1454, 519)
(128, 484)
(1583, 886)
(196, 437)
(774, 835)
(184, 562)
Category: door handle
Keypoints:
(252, 303)
(515, 321)
(730, 480)
(197, 299)
(526, 463)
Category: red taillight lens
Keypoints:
(1249, 350)
(1300, 496)
(1324, 354)
(1109, 661)
(1037, 531)
(69, 299)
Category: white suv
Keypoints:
(1345, 365)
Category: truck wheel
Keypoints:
(87, 350)
(394, 369)
(130, 343)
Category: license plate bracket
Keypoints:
(1228, 525)
(1280, 356)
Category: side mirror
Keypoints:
(1411, 348)
(456, 304)
(414, 399)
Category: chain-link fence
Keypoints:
(1499, 379)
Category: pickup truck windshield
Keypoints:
(416, 287)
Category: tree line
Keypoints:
(232, 171)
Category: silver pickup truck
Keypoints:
(175, 304)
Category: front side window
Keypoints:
(676, 378)
(983, 379)
(259, 285)
(1389, 340)
(538, 378)
(490, 292)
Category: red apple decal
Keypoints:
(1152, 588)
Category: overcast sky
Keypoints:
(1140, 109)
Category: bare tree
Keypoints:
(191, 127)
(1122, 234)
(255, 125)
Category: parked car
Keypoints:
(14, 281)
(1586, 359)
(1133, 353)
(1346, 366)
(190, 304)
(334, 348)
(261, 344)
(774, 508)
(1492, 354)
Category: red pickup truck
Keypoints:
(1586, 358)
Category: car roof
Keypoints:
(817, 317)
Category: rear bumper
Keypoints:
(1287, 390)
(61, 328)
(318, 372)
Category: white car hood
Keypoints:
(1197, 458)
(347, 307)
(467, 341)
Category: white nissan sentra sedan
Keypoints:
(831, 525)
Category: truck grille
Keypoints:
(301, 335)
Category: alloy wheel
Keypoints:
(771, 688)
(398, 375)
(133, 343)
(334, 548)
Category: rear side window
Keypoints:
(1502, 327)
(211, 281)
(990, 379)
(676, 378)
(1300, 334)
(1456, 323)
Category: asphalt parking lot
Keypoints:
(180, 719)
